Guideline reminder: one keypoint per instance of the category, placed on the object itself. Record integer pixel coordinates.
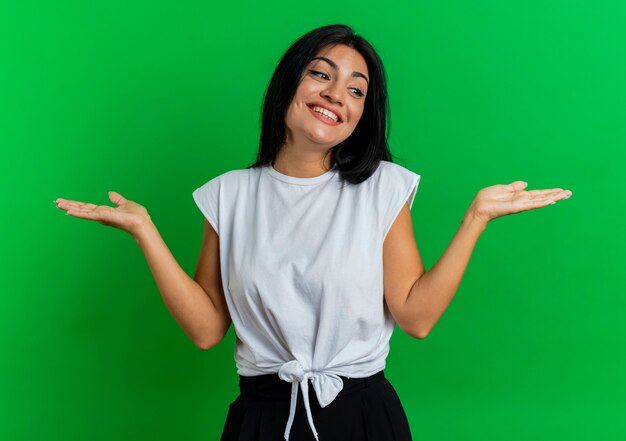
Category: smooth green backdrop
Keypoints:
(154, 98)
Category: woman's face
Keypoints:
(330, 98)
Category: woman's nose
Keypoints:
(332, 93)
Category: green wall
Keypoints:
(152, 99)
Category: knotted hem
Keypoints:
(327, 386)
(366, 408)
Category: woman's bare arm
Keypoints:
(198, 304)
(417, 298)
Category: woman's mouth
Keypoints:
(325, 115)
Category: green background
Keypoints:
(154, 98)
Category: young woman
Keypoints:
(310, 252)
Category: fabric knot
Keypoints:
(326, 385)
(292, 371)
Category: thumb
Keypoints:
(117, 198)
(517, 185)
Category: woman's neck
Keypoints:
(302, 164)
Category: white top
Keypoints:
(302, 270)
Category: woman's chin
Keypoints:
(321, 136)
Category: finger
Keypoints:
(557, 194)
(117, 198)
(84, 214)
(67, 202)
(561, 195)
(516, 186)
(538, 193)
(531, 204)
(65, 205)
(86, 206)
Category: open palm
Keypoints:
(501, 200)
(128, 215)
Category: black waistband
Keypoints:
(271, 387)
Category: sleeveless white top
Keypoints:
(302, 270)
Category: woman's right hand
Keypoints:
(128, 215)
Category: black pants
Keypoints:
(366, 409)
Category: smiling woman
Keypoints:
(335, 72)
(310, 253)
(332, 92)
(304, 247)
(319, 259)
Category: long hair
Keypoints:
(359, 155)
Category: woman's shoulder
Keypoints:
(234, 176)
(393, 166)
(388, 171)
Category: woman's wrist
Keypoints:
(143, 230)
(474, 218)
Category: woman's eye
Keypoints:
(358, 92)
(319, 74)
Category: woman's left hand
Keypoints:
(500, 200)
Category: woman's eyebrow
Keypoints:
(334, 66)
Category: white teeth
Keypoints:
(327, 113)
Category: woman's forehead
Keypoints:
(341, 56)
